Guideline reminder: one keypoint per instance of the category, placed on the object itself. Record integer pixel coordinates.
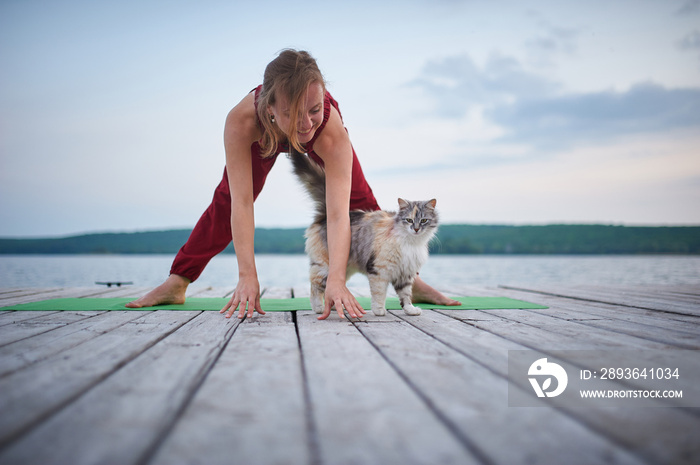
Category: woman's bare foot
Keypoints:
(172, 291)
(422, 292)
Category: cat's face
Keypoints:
(417, 218)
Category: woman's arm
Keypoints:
(240, 132)
(333, 146)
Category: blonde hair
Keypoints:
(290, 75)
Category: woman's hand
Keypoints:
(338, 295)
(247, 295)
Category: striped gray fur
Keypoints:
(313, 177)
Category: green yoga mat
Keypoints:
(268, 305)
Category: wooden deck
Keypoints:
(175, 387)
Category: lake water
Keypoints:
(444, 271)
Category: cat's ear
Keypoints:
(431, 203)
(403, 204)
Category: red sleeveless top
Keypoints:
(361, 195)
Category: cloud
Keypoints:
(690, 42)
(594, 117)
(553, 42)
(555, 39)
(457, 84)
(689, 7)
(532, 109)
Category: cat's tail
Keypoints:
(313, 178)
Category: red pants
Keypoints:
(212, 233)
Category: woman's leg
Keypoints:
(210, 236)
(422, 292)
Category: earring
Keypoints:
(272, 119)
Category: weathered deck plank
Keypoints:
(135, 405)
(12, 318)
(34, 295)
(31, 350)
(656, 435)
(13, 296)
(530, 329)
(31, 395)
(145, 387)
(251, 407)
(561, 326)
(578, 310)
(474, 400)
(43, 323)
(362, 411)
(673, 329)
(623, 297)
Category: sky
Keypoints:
(506, 112)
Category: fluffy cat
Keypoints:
(387, 247)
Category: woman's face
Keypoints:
(310, 113)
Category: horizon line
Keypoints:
(186, 228)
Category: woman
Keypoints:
(291, 108)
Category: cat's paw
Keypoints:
(379, 311)
(412, 310)
(317, 304)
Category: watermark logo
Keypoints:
(619, 377)
(546, 371)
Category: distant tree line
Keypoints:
(451, 239)
(566, 239)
